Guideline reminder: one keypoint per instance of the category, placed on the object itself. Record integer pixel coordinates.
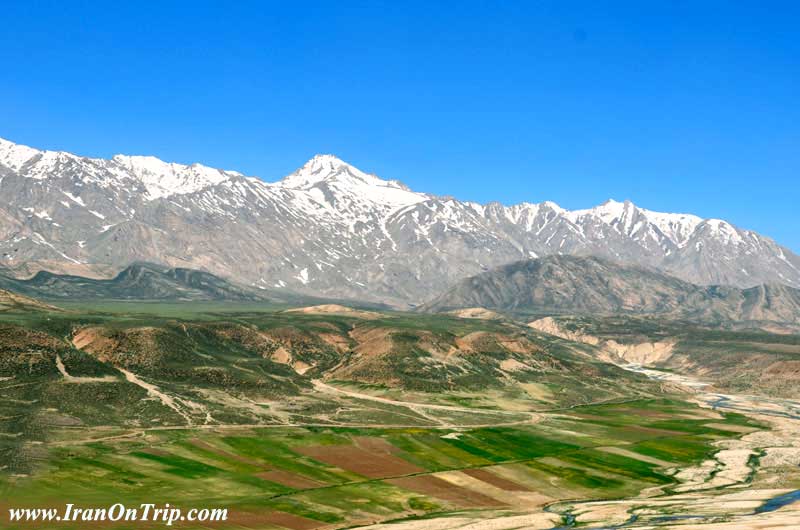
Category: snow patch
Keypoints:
(76, 200)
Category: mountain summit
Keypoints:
(333, 230)
(322, 168)
(329, 178)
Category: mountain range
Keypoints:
(332, 230)
(596, 286)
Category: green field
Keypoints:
(225, 467)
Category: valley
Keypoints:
(332, 418)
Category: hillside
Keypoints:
(749, 361)
(10, 301)
(575, 285)
(141, 281)
(259, 367)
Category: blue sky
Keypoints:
(679, 106)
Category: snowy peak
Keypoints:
(678, 227)
(319, 169)
(14, 156)
(327, 168)
(330, 179)
(38, 164)
(628, 219)
(611, 212)
(721, 231)
(162, 179)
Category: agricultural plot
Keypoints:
(314, 477)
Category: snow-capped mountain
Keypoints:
(331, 229)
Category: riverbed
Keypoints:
(752, 482)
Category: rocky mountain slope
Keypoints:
(331, 229)
(570, 284)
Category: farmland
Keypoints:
(336, 419)
(309, 477)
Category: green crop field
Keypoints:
(267, 470)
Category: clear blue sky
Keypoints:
(677, 105)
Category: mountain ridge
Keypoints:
(333, 230)
(595, 286)
(139, 281)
